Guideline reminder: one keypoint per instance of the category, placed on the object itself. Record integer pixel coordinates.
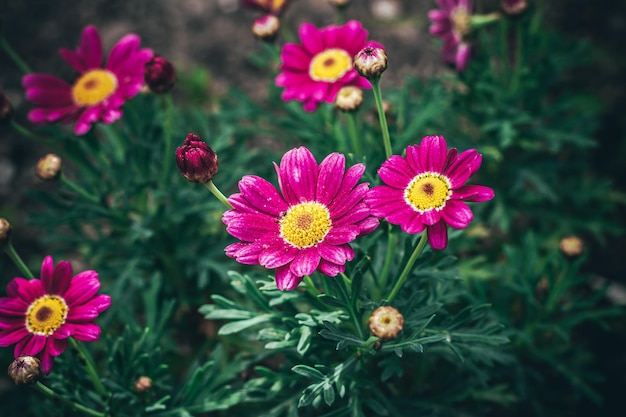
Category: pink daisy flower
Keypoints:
(426, 189)
(40, 314)
(98, 93)
(317, 69)
(452, 22)
(308, 226)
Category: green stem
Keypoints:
(118, 147)
(356, 320)
(217, 193)
(168, 155)
(14, 56)
(407, 268)
(79, 407)
(517, 65)
(17, 260)
(382, 118)
(353, 133)
(392, 240)
(91, 368)
(78, 189)
(29, 134)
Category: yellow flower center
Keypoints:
(94, 87)
(46, 314)
(428, 191)
(305, 224)
(461, 21)
(330, 65)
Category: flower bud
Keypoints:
(24, 370)
(514, 7)
(6, 109)
(349, 98)
(571, 246)
(49, 167)
(159, 74)
(196, 160)
(266, 27)
(340, 4)
(143, 384)
(370, 62)
(5, 231)
(386, 323)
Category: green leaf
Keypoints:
(308, 372)
(237, 326)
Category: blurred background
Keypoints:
(212, 39)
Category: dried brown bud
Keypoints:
(6, 109)
(49, 167)
(386, 323)
(266, 27)
(514, 7)
(370, 62)
(349, 98)
(143, 384)
(340, 4)
(25, 370)
(572, 246)
(5, 231)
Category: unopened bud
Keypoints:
(49, 167)
(5, 231)
(340, 4)
(159, 74)
(143, 384)
(196, 160)
(349, 98)
(24, 370)
(370, 62)
(6, 109)
(514, 7)
(386, 323)
(266, 27)
(572, 246)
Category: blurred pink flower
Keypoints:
(315, 71)
(98, 93)
(452, 22)
(40, 314)
(308, 226)
(426, 189)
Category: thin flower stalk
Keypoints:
(407, 268)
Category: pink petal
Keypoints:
(430, 217)
(438, 236)
(82, 288)
(341, 235)
(331, 168)
(9, 337)
(27, 290)
(432, 153)
(311, 38)
(331, 269)
(286, 280)
(245, 253)
(122, 51)
(56, 346)
(278, 255)
(250, 226)
(396, 172)
(90, 49)
(466, 164)
(262, 195)
(298, 174)
(338, 255)
(85, 120)
(47, 362)
(31, 346)
(474, 193)
(305, 262)
(457, 214)
(86, 332)
(73, 60)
